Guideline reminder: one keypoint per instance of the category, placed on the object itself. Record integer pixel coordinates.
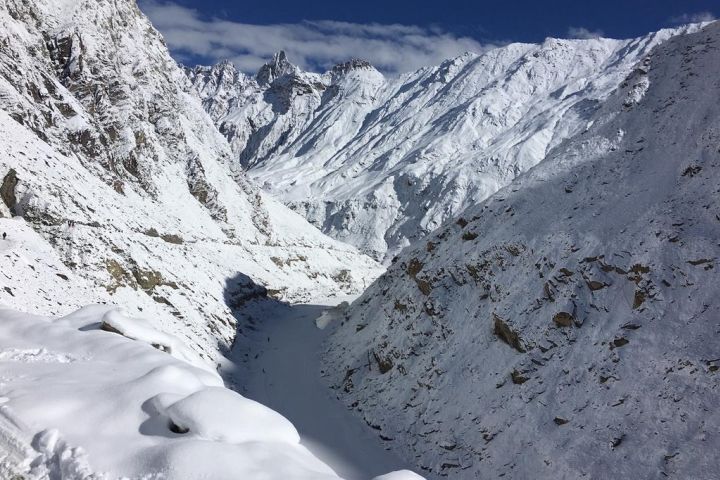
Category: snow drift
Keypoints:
(144, 413)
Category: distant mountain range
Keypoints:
(380, 162)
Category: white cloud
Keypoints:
(700, 17)
(311, 44)
(584, 33)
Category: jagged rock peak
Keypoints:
(352, 64)
(277, 67)
(224, 70)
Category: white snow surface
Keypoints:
(77, 402)
(126, 178)
(279, 365)
(100, 406)
(566, 327)
(380, 162)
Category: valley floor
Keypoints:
(282, 370)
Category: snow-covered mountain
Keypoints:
(380, 162)
(104, 154)
(567, 326)
(117, 189)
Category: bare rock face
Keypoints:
(576, 327)
(7, 191)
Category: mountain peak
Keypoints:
(352, 64)
(277, 67)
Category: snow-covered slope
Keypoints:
(154, 418)
(78, 403)
(105, 155)
(380, 162)
(566, 327)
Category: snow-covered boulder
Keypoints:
(221, 415)
(83, 404)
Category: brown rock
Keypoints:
(563, 319)
(506, 334)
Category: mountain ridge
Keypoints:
(126, 176)
(379, 163)
(564, 327)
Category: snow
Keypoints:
(135, 241)
(144, 269)
(280, 366)
(381, 162)
(120, 389)
(163, 223)
(221, 415)
(80, 403)
(118, 320)
(399, 475)
(566, 327)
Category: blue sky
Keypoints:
(396, 36)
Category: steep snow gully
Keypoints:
(279, 366)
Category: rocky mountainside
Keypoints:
(106, 156)
(567, 326)
(380, 162)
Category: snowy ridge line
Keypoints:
(381, 162)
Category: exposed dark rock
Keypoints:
(401, 307)
(277, 67)
(507, 335)
(147, 279)
(120, 276)
(692, 170)
(385, 364)
(352, 64)
(172, 238)
(413, 268)
(7, 190)
(177, 428)
(700, 261)
(621, 342)
(518, 378)
(563, 319)
(639, 298)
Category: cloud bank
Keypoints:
(584, 33)
(312, 45)
(699, 17)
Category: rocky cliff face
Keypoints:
(566, 327)
(126, 175)
(380, 162)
